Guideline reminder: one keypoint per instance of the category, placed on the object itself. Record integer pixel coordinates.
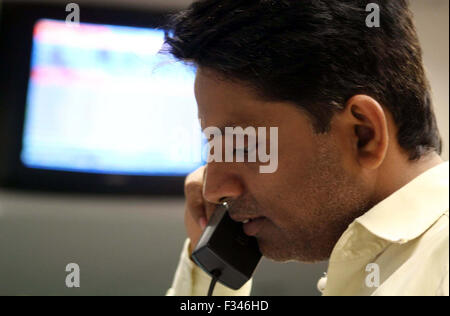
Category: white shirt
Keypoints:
(399, 247)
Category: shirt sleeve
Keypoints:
(191, 280)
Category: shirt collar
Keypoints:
(411, 210)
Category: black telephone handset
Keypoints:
(225, 252)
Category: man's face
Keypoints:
(308, 202)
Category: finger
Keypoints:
(203, 223)
(209, 209)
(195, 207)
(208, 206)
(193, 189)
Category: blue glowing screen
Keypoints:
(102, 99)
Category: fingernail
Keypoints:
(202, 223)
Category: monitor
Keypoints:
(103, 99)
(95, 106)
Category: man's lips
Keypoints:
(251, 225)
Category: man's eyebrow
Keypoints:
(233, 125)
(222, 128)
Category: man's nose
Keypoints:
(221, 183)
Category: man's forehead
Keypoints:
(230, 111)
(224, 112)
(228, 104)
(217, 94)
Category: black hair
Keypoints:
(316, 54)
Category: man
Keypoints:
(359, 180)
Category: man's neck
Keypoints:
(397, 174)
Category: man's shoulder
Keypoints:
(432, 247)
(419, 266)
(437, 237)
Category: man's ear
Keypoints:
(370, 130)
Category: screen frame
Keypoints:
(16, 39)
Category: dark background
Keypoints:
(128, 245)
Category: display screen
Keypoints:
(103, 99)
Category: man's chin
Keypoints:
(275, 252)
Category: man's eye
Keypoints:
(244, 150)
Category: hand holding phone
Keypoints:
(225, 252)
(197, 209)
(239, 253)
